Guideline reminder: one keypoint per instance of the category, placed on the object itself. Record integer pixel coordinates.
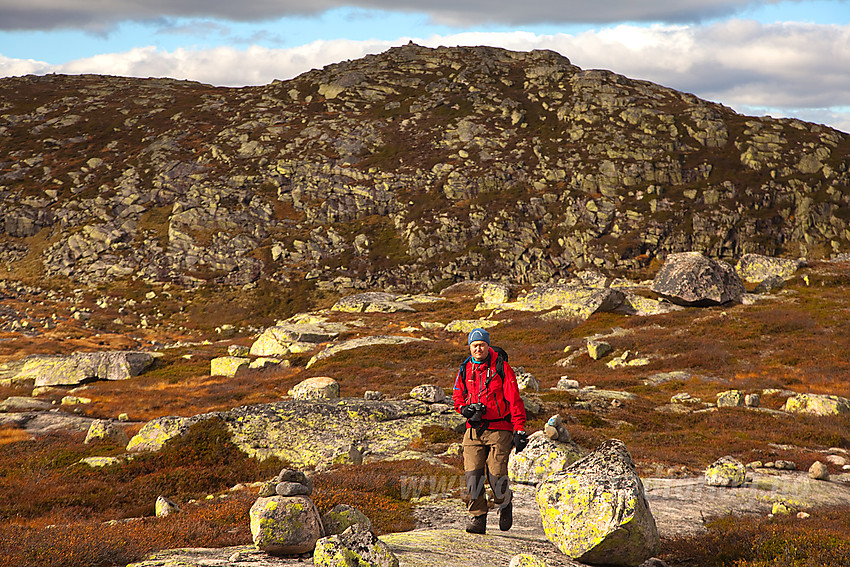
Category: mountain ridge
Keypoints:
(407, 170)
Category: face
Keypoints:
(479, 349)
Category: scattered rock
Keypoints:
(285, 525)
(228, 366)
(726, 472)
(106, 430)
(165, 507)
(428, 393)
(317, 388)
(817, 404)
(818, 471)
(757, 268)
(355, 546)
(79, 367)
(730, 399)
(341, 517)
(598, 349)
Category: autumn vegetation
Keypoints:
(55, 511)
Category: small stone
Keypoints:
(566, 383)
(598, 349)
(752, 400)
(428, 393)
(372, 395)
(292, 489)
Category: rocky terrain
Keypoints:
(301, 262)
(405, 170)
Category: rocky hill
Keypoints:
(407, 170)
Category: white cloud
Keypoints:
(798, 70)
(100, 15)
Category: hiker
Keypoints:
(487, 395)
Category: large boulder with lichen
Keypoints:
(569, 300)
(817, 404)
(356, 546)
(541, 458)
(80, 367)
(311, 433)
(285, 525)
(691, 279)
(595, 511)
(755, 268)
(296, 335)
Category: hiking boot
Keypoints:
(506, 517)
(477, 524)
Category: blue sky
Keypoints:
(789, 58)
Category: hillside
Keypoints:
(407, 170)
(188, 221)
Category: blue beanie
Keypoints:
(479, 335)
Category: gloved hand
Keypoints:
(520, 440)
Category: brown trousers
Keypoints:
(486, 454)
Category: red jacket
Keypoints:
(505, 410)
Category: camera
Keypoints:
(477, 412)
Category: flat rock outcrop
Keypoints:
(313, 433)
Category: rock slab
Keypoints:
(691, 279)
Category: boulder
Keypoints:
(355, 546)
(80, 367)
(371, 302)
(106, 430)
(285, 525)
(595, 511)
(691, 279)
(495, 293)
(817, 404)
(818, 471)
(341, 517)
(526, 381)
(569, 300)
(320, 387)
(428, 393)
(541, 458)
(295, 337)
(756, 268)
(730, 399)
(726, 472)
(466, 325)
(228, 365)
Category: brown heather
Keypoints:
(797, 340)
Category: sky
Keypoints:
(787, 58)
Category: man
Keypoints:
(487, 395)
